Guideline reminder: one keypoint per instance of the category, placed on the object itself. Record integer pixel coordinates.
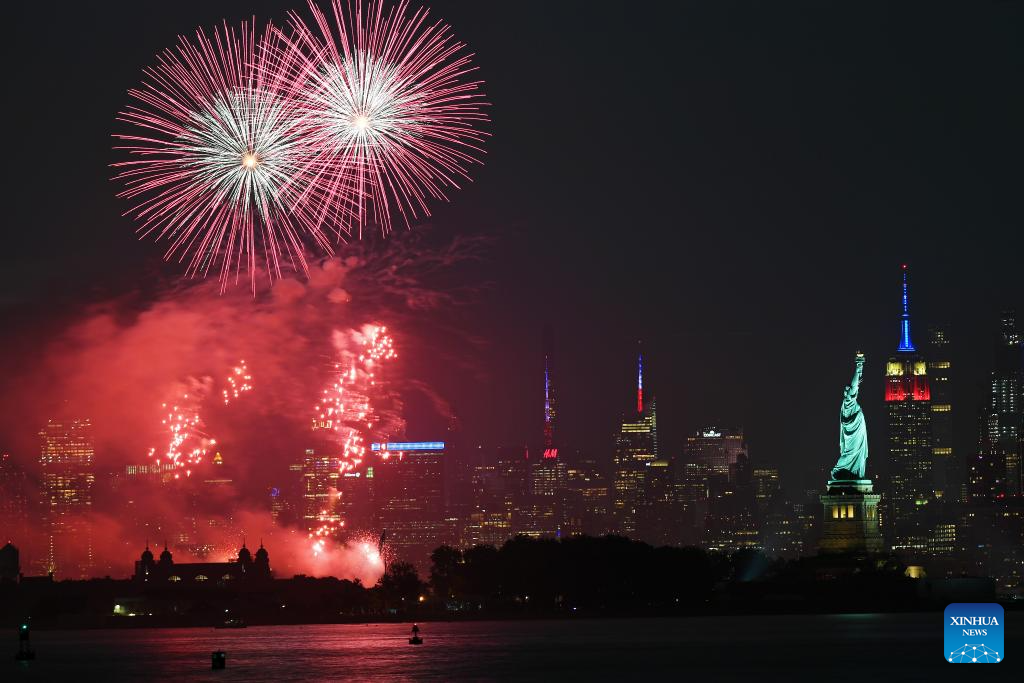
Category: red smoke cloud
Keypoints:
(118, 361)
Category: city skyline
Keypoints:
(729, 341)
(711, 493)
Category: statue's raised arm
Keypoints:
(858, 374)
(853, 432)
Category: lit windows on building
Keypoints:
(66, 461)
(635, 446)
(409, 490)
(908, 402)
(320, 474)
(842, 512)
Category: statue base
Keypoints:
(858, 485)
(850, 518)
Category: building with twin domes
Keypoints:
(165, 571)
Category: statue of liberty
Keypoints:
(853, 432)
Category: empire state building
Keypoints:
(908, 405)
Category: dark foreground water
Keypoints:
(869, 647)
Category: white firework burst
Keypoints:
(217, 165)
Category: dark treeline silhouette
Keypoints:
(579, 576)
(614, 575)
(609, 573)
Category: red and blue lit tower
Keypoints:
(636, 450)
(640, 383)
(908, 405)
(550, 413)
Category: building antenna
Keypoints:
(549, 394)
(905, 343)
(640, 378)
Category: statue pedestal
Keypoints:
(850, 522)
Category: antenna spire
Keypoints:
(549, 394)
(905, 343)
(640, 379)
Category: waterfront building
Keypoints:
(165, 572)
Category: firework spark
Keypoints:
(239, 382)
(346, 411)
(323, 534)
(391, 107)
(374, 553)
(345, 405)
(188, 443)
(216, 157)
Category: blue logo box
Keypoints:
(973, 633)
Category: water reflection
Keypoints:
(721, 648)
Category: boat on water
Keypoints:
(232, 623)
(415, 640)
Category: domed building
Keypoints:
(167, 572)
(10, 564)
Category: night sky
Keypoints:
(735, 183)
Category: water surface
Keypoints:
(906, 647)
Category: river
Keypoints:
(900, 647)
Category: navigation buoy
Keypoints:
(25, 651)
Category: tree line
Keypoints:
(585, 573)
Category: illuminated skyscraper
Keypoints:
(13, 502)
(730, 523)
(636, 448)
(320, 474)
(494, 497)
(409, 488)
(66, 461)
(586, 500)
(691, 482)
(539, 512)
(717, 488)
(908, 404)
(995, 471)
(357, 499)
(278, 504)
(948, 469)
(717, 448)
(767, 486)
(550, 411)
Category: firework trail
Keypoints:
(391, 110)
(239, 382)
(217, 157)
(345, 406)
(346, 410)
(323, 534)
(188, 443)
